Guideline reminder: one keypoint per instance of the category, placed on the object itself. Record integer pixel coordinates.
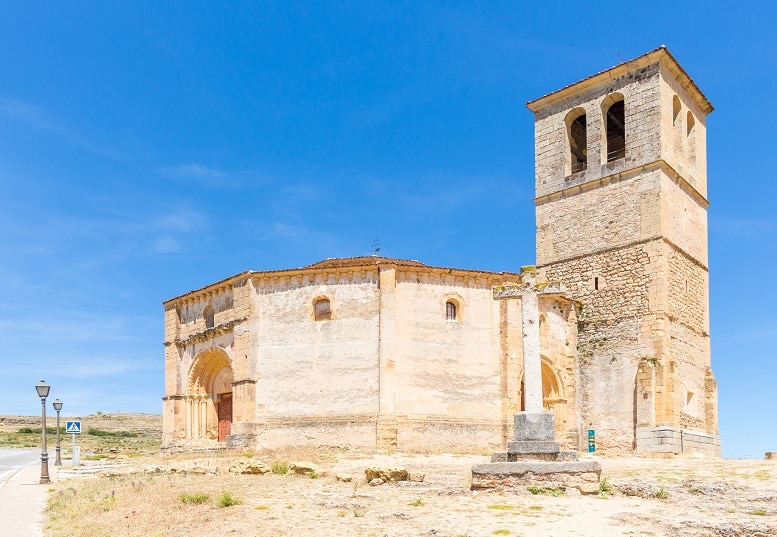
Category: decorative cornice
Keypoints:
(209, 333)
(660, 164)
(659, 55)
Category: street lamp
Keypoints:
(58, 407)
(43, 392)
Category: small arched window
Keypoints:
(322, 310)
(209, 315)
(690, 126)
(676, 106)
(451, 311)
(578, 141)
(615, 125)
(676, 121)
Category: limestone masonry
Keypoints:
(385, 353)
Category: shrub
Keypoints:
(117, 434)
(49, 430)
(196, 498)
(280, 468)
(226, 500)
(662, 493)
(605, 488)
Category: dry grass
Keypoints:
(730, 494)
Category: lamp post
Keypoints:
(43, 392)
(58, 407)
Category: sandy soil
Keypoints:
(702, 497)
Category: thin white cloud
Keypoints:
(92, 241)
(211, 177)
(192, 171)
(67, 326)
(165, 245)
(36, 117)
(444, 193)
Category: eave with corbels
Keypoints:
(207, 334)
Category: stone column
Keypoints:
(188, 417)
(204, 417)
(535, 429)
(532, 364)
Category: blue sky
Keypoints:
(150, 148)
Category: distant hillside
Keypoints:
(118, 432)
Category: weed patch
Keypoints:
(196, 498)
(280, 468)
(549, 491)
(227, 499)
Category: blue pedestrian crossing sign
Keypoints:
(73, 427)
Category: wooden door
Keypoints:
(225, 416)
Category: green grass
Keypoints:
(280, 468)
(549, 491)
(49, 430)
(500, 506)
(116, 434)
(227, 499)
(418, 502)
(758, 512)
(197, 498)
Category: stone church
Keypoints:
(383, 353)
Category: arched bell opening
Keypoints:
(208, 398)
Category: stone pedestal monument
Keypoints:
(533, 456)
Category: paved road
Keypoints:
(22, 499)
(12, 460)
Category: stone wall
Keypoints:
(388, 369)
(640, 91)
(628, 239)
(306, 367)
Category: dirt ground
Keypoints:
(183, 496)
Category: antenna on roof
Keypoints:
(620, 56)
(375, 247)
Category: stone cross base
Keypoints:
(534, 437)
(577, 476)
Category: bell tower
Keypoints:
(621, 208)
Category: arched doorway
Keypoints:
(209, 397)
(551, 391)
